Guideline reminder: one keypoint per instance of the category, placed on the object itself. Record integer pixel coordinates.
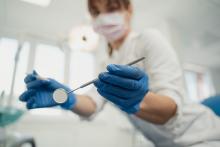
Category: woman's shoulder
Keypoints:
(150, 34)
(154, 43)
(148, 40)
(153, 38)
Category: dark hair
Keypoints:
(111, 5)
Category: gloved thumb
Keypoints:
(34, 72)
(31, 77)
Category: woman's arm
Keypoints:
(156, 108)
(165, 79)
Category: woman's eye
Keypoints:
(95, 13)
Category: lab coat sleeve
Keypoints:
(98, 100)
(164, 70)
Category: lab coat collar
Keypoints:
(123, 47)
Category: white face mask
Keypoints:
(111, 25)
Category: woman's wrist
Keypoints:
(70, 103)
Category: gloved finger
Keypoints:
(112, 98)
(37, 84)
(115, 90)
(27, 95)
(34, 106)
(119, 81)
(31, 77)
(55, 85)
(120, 102)
(30, 103)
(125, 71)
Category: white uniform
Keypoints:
(194, 124)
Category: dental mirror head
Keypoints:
(60, 96)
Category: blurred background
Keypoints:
(55, 37)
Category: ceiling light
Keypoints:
(83, 38)
(42, 3)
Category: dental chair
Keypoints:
(8, 116)
(19, 140)
(15, 140)
(213, 103)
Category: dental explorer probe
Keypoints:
(60, 95)
(91, 82)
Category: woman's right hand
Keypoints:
(39, 93)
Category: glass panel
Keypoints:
(22, 68)
(81, 70)
(50, 62)
(8, 49)
(191, 85)
(199, 85)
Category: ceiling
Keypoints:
(193, 25)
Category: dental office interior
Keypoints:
(56, 38)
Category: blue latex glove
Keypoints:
(213, 103)
(123, 85)
(39, 93)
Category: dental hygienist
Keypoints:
(151, 94)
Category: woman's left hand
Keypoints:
(123, 85)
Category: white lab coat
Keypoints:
(193, 124)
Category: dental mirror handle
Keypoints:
(91, 82)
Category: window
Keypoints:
(81, 70)
(43, 3)
(199, 84)
(49, 62)
(22, 69)
(8, 49)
